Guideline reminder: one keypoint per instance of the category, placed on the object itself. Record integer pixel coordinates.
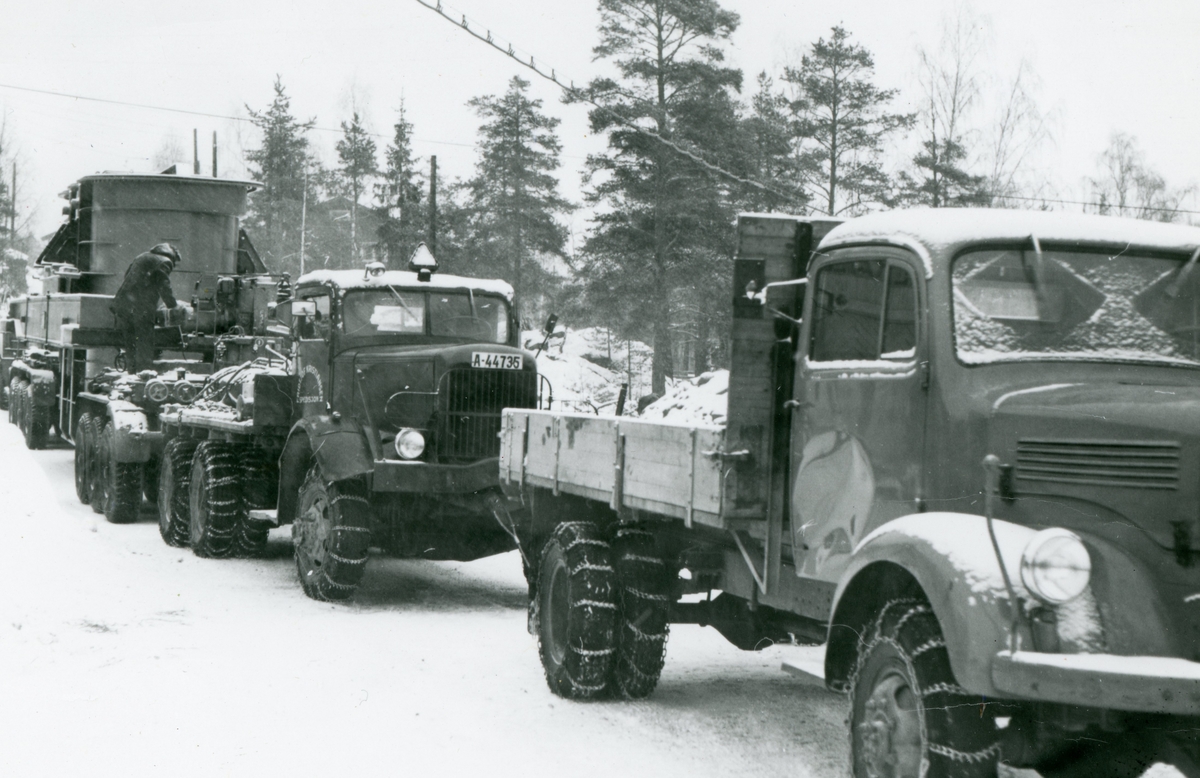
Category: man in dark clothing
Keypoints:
(147, 280)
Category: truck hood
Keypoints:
(1129, 449)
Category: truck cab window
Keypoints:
(864, 310)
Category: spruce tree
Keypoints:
(513, 197)
(356, 152)
(399, 194)
(280, 164)
(658, 256)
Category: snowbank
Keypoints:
(700, 400)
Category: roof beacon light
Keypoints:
(422, 263)
(374, 270)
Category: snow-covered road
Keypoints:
(122, 656)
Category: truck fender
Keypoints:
(339, 447)
(132, 439)
(42, 382)
(948, 559)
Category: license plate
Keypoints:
(496, 361)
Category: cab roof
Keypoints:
(930, 231)
(359, 279)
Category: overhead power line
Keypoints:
(1095, 204)
(199, 113)
(569, 87)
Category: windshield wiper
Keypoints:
(1039, 272)
(1184, 272)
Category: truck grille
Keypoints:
(1137, 464)
(468, 409)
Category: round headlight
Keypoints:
(157, 391)
(410, 444)
(1056, 566)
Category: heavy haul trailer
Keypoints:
(381, 428)
(969, 469)
(60, 347)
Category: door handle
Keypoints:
(798, 405)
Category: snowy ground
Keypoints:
(121, 656)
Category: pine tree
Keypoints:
(841, 124)
(356, 152)
(950, 82)
(661, 240)
(768, 134)
(280, 164)
(513, 197)
(399, 193)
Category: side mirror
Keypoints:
(303, 308)
(550, 323)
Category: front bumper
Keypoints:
(1144, 684)
(395, 476)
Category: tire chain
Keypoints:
(947, 712)
(173, 516)
(587, 665)
(224, 503)
(643, 600)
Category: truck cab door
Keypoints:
(858, 430)
(312, 332)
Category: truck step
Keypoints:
(261, 514)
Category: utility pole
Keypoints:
(195, 151)
(12, 208)
(303, 215)
(433, 205)
(214, 153)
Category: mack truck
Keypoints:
(962, 451)
(378, 427)
(60, 362)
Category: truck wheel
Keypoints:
(14, 402)
(260, 485)
(643, 599)
(174, 481)
(97, 465)
(37, 422)
(83, 476)
(123, 483)
(907, 710)
(331, 536)
(577, 611)
(214, 499)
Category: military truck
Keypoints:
(60, 359)
(961, 451)
(380, 429)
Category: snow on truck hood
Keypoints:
(357, 279)
(934, 230)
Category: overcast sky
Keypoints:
(1104, 66)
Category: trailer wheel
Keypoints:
(577, 611)
(643, 600)
(14, 402)
(909, 716)
(214, 499)
(97, 465)
(37, 422)
(83, 455)
(260, 485)
(331, 535)
(123, 483)
(174, 481)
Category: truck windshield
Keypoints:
(1019, 305)
(454, 314)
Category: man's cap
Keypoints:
(168, 251)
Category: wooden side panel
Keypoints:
(667, 469)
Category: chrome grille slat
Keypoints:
(1136, 464)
